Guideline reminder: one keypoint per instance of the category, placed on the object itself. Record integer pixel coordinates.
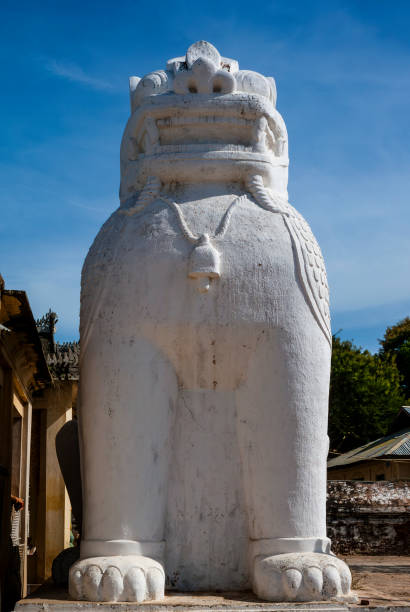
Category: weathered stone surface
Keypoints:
(369, 517)
(205, 350)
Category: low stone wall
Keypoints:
(369, 517)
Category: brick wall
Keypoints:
(369, 517)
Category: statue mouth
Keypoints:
(195, 123)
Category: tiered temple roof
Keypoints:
(62, 358)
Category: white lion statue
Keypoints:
(205, 355)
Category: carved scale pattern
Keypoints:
(312, 269)
(309, 258)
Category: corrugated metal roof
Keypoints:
(397, 444)
(404, 449)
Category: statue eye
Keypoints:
(192, 89)
(217, 89)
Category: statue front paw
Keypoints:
(117, 578)
(302, 577)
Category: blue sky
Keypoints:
(342, 70)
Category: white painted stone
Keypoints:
(120, 578)
(302, 577)
(205, 354)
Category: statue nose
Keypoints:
(204, 79)
(202, 74)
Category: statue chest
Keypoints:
(197, 264)
(142, 278)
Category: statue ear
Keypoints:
(134, 80)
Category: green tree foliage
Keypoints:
(396, 343)
(365, 396)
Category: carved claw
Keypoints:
(76, 586)
(135, 585)
(331, 581)
(155, 583)
(91, 583)
(313, 579)
(111, 584)
(292, 579)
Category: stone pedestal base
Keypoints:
(57, 600)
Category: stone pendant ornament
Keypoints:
(205, 260)
(204, 263)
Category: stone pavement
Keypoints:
(382, 580)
